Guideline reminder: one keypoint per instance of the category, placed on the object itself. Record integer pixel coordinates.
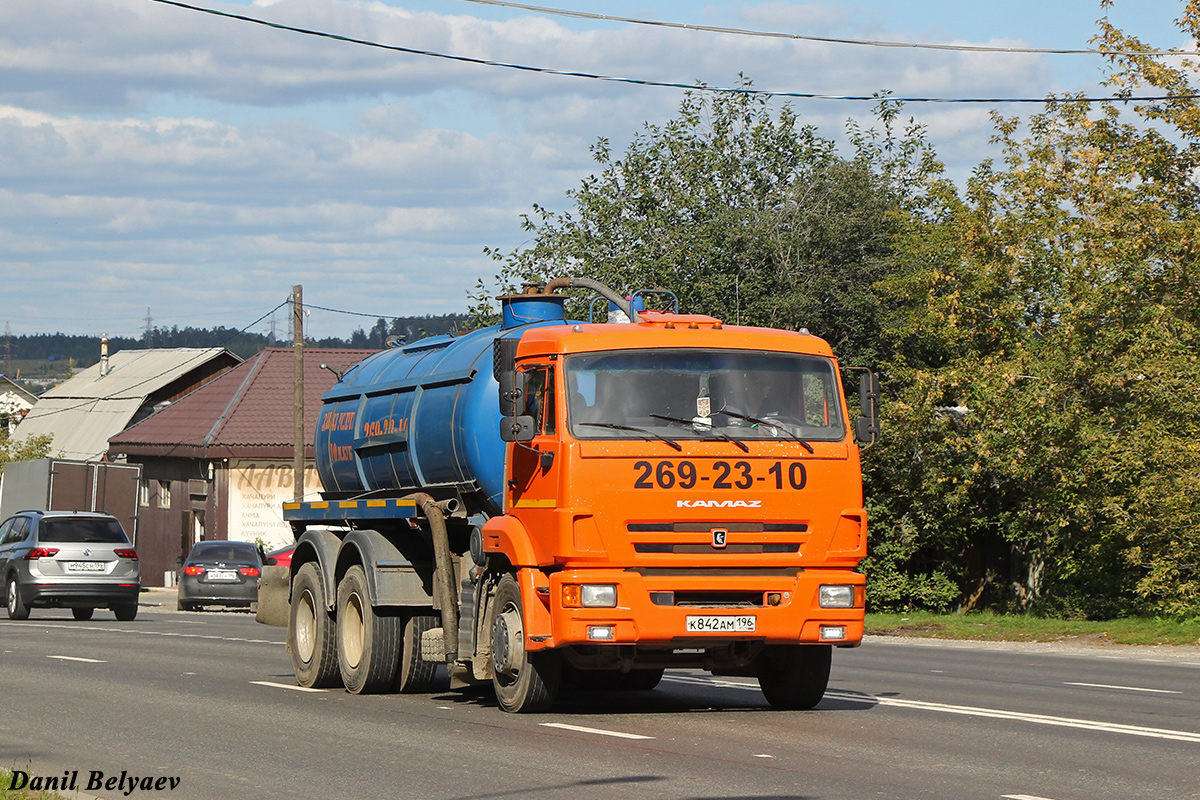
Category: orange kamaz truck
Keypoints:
(550, 502)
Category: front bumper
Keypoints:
(637, 619)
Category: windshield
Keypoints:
(693, 394)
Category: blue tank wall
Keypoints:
(421, 416)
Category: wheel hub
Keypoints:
(508, 645)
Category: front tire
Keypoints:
(525, 682)
(313, 631)
(16, 606)
(794, 676)
(368, 642)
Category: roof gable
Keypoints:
(246, 413)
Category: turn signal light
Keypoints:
(193, 570)
(249, 572)
(41, 552)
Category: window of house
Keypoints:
(164, 494)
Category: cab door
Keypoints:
(535, 465)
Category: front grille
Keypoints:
(704, 527)
(680, 547)
(708, 599)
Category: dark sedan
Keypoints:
(219, 574)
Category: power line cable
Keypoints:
(834, 40)
(743, 90)
(353, 313)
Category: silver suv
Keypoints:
(68, 559)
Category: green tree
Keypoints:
(743, 213)
(29, 449)
(1043, 436)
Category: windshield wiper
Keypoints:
(614, 426)
(717, 431)
(767, 423)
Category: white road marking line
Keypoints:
(1125, 688)
(763, 755)
(291, 686)
(599, 731)
(1022, 797)
(150, 633)
(76, 658)
(1039, 719)
(970, 711)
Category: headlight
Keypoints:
(836, 597)
(589, 595)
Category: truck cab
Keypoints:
(682, 493)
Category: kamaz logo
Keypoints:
(718, 503)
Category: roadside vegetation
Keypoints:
(987, 626)
(1037, 329)
(6, 780)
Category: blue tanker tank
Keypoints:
(426, 416)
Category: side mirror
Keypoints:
(866, 427)
(513, 385)
(270, 561)
(517, 429)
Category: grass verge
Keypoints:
(6, 780)
(988, 627)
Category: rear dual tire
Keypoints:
(313, 631)
(369, 642)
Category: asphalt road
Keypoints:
(209, 699)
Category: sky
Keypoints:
(165, 166)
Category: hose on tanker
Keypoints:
(443, 561)
(598, 287)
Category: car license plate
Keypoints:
(721, 623)
(221, 575)
(85, 566)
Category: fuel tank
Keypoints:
(425, 416)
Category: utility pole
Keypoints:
(298, 381)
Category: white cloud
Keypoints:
(152, 156)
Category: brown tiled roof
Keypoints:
(246, 413)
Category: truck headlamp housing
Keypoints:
(835, 596)
(590, 595)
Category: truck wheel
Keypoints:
(524, 682)
(415, 676)
(82, 613)
(368, 642)
(641, 680)
(16, 606)
(313, 631)
(794, 676)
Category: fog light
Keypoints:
(836, 597)
(832, 632)
(601, 632)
